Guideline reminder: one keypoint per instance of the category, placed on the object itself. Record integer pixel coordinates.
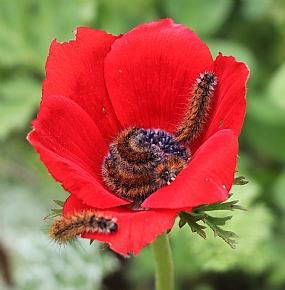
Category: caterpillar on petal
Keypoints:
(65, 229)
(198, 108)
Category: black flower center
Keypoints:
(141, 161)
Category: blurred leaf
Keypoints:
(204, 17)
(204, 287)
(110, 18)
(19, 97)
(265, 126)
(38, 263)
(255, 10)
(279, 190)
(233, 48)
(27, 29)
(276, 88)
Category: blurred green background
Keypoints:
(251, 30)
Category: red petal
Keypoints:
(72, 148)
(229, 111)
(74, 69)
(150, 70)
(207, 178)
(136, 229)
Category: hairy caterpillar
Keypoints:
(140, 185)
(65, 229)
(141, 161)
(198, 109)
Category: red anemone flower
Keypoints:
(99, 84)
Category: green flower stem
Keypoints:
(164, 278)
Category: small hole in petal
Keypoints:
(105, 112)
(224, 186)
(221, 123)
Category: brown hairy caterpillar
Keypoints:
(198, 108)
(141, 161)
(167, 171)
(129, 149)
(125, 183)
(140, 185)
(65, 229)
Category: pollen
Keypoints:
(141, 161)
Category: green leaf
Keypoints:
(230, 205)
(194, 13)
(241, 180)
(269, 116)
(199, 214)
(54, 213)
(181, 223)
(225, 235)
(276, 86)
(59, 202)
(19, 98)
(220, 221)
(191, 219)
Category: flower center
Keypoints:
(141, 161)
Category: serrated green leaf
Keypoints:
(191, 216)
(220, 221)
(191, 219)
(241, 180)
(59, 202)
(196, 228)
(230, 205)
(240, 207)
(54, 213)
(199, 213)
(225, 235)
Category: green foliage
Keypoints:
(252, 31)
(17, 108)
(195, 257)
(201, 214)
(26, 30)
(110, 16)
(194, 13)
(55, 211)
(38, 262)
